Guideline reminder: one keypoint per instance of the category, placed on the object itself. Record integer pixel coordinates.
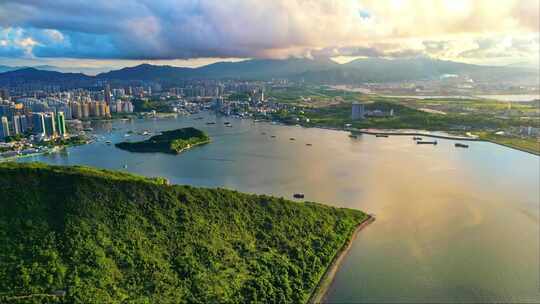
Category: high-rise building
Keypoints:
(76, 110)
(95, 109)
(85, 110)
(358, 111)
(17, 125)
(104, 109)
(50, 125)
(7, 110)
(4, 127)
(23, 123)
(4, 94)
(38, 122)
(107, 93)
(61, 124)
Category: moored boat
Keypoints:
(427, 142)
(460, 145)
(298, 195)
(381, 135)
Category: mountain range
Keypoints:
(316, 71)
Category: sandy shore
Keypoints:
(328, 277)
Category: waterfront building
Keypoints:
(358, 111)
(38, 122)
(76, 110)
(16, 125)
(50, 125)
(23, 121)
(94, 109)
(61, 124)
(85, 110)
(104, 109)
(4, 127)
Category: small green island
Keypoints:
(172, 142)
(85, 235)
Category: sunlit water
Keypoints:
(453, 225)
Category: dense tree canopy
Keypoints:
(110, 237)
(173, 141)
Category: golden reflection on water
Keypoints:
(453, 225)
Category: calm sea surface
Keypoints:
(453, 225)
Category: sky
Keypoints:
(106, 34)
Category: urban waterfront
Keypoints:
(453, 225)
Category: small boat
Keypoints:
(460, 145)
(308, 144)
(210, 123)
(292, 138)
(417, 138)
(298, 195)
(108, 142)
(381, 135)
(273, 136)
(427, 142)
(226, 123)
(228, 126)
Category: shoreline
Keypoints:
(396, 132)
(511, 147)
(193, 146)
(449, 137)
(412, 133)
(321, 289)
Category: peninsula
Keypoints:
(121, 238)
(173, 141)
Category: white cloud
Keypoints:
(169, 29)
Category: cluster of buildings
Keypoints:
(358, 111)
(44, 114)
(81, 110)
(41, 125)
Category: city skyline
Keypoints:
(97, 35)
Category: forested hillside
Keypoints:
(82, 235)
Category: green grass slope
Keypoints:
(110, 237)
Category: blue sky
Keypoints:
(107, 33)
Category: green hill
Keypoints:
(109, 237)
(173, 141)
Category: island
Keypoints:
(85, 235)
(172, 142)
